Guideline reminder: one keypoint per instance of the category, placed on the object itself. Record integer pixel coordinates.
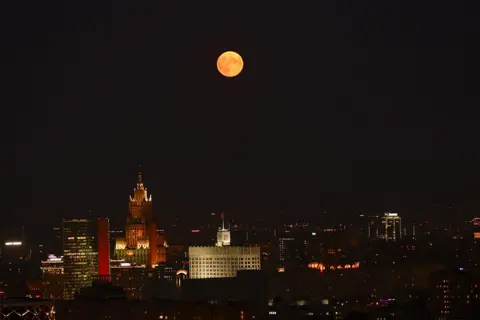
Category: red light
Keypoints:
(103, 247)
(196, 231)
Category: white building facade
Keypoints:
(222, 261)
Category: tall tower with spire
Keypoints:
(141, 243)
(223, 234)
(139, 215)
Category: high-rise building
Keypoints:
(297, 249)
(84, 254)
(374, 225)
(52, 277)
(16, 265)
(393, 226)
(130, 277)
(15, 251)
(455, 294)
(141, 245)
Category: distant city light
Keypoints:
(391, 214)
(14, 243)
(52, 257)
(476, 221)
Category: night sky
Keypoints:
(343, 106)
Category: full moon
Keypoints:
(230, 64)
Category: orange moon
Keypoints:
(230, 64)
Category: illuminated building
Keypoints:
(53, 265)
(15, 251)
(222, 262)
(393, 226)
(52, 277)
(456, 294)
(372, 227)
(284, 243)
(141, 245)
(84, 253)
(15, 266)
(223, 235)
(130, 277)
(297, 249)
(164, 272)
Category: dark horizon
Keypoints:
(343, 108)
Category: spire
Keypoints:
(223, 235)
(139, 179)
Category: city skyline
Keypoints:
(239, 160)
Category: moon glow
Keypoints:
(230, 64)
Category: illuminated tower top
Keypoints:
(223, 235)
(140, 192)
(140, 205)
(391, 220)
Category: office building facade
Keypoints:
(222, 262)
(84, 253)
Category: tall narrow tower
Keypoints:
(139, 215)
(223, 234)
(140, 244)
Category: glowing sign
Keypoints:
(476, 235)
(125, 264)
(391, 214)
(14, 243)
(196, 231)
